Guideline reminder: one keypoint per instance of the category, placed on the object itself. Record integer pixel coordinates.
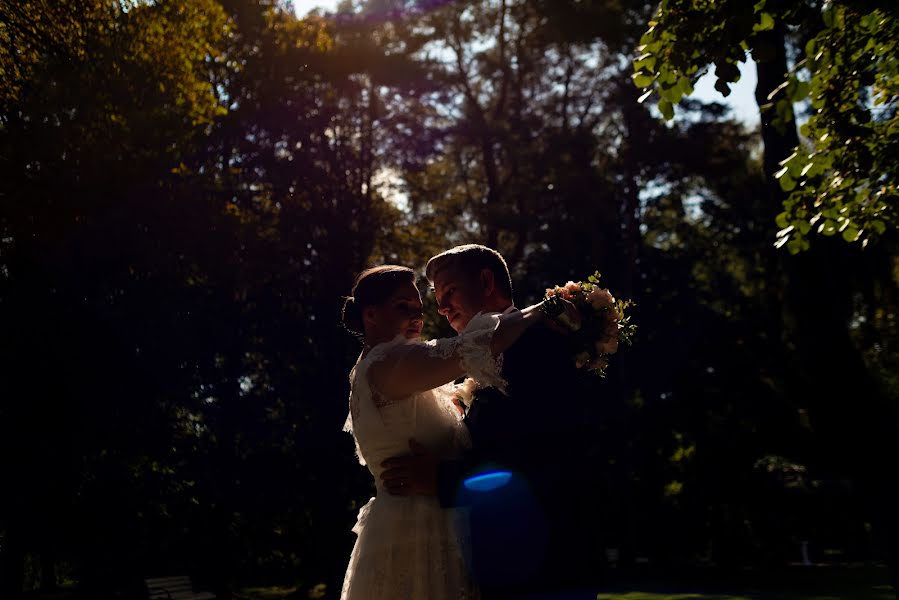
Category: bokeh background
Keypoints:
(188, 188)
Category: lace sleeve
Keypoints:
(414, 367)
(472, 347)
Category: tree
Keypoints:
(842, 177)
(99, 100)
(180, 183)
(839, 188)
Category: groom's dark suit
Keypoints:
(525, 533)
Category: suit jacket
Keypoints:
(525, 530)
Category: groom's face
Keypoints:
(460, 296)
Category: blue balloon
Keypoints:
(488, 481)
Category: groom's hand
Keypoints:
(414, 475)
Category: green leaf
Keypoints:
(721, 86)
(727, 70)
(784, 110)
(879, 227)
(839, 17)
(645, 61)
(667, 75)
(810, 48)
(672, 94)
(827, 228)
(799, 91)
(814, 169)
(786, 231)
(786, 183)
(641, 80)
(850, 234)
(786, 162)
(766, 23)
(667, 109)
(782, 220)
(869, 21)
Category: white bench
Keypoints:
(174, 588)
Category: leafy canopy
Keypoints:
(842, 177)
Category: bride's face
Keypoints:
(401, 314)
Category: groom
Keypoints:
(521, 477)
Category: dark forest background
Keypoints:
(188, 188)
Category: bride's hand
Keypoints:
(567, 321)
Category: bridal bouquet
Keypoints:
(603, 325)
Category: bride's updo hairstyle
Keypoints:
(373, 287)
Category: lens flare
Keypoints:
(487, 482)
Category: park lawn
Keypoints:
(266, 593)
(316, 592)
(798, 584)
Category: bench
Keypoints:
(174, 588)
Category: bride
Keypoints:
(407, 546)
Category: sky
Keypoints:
(742, 94)
(304, 6)
(741, 99)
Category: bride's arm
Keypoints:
(412, 368)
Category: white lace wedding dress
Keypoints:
(408, 547)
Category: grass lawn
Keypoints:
(812, 583)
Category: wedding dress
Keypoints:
(408, 547)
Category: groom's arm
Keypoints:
(451, 475)
(531, 431)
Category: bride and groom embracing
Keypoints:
(475, 501)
